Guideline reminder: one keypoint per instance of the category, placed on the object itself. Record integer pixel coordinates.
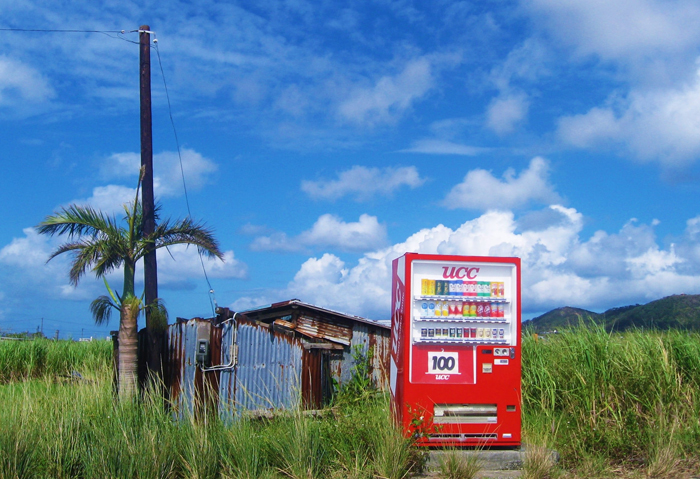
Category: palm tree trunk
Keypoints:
(128, 349)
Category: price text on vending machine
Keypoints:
(443, 364)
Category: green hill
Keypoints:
(562, 318)
(680, 311)
(673, 312)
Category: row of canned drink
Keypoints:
(458, 287)
(461, 309)
(464, 333)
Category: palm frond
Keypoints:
(101, 309)
(76, 220)
(186, 232)
(116, 299)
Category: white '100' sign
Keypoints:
(443, 363)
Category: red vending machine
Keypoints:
(455, 349)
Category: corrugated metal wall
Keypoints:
(257, 366)
(365, 337)
(268, 370)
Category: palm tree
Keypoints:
(98, 243)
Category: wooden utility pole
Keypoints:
(150, 267)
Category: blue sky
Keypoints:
(321, 140)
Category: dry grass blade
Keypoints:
(459, 464)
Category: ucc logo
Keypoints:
(459, 273)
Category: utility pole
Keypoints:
(147, 198)
(150, 267)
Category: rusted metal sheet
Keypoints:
(324, 329)
(268, 370)
(364, 337)
(190, 389)
(273, 359)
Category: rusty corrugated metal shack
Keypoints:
(282, 356)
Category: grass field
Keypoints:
(615, 403)
(621, 405)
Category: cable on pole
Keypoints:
(212, 297)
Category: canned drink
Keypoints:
(459, 308)
(501, 310)
(424, 287)
(431, 332)
(431, 287)
(487, 310)
(445, 309)
(472, 310)
(431, 309)
(479, 333)
(487, 333)
(501, 290)
(481, 288)
(494, 289)
(424, 333)
(452, 332)
(445, 332)
(465, 310)
(438, 287)
(501, 333)
(494, 310)
(494, 333)
(472, 332)
(457, 287)
(479, 310)
(459, 332)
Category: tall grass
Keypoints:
(614, 398)
(21, 360)
(605, 401)
(75, 429)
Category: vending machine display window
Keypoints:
(455, 348)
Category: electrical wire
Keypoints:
(56, 30)
(212, 297)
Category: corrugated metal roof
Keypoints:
(296, 302)
(324, 329)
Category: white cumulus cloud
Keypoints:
(167, 174)
(363, 183)
(24, 260)
(482, 191)
(659, 124)
(329, 231)
(560, 267)
(390, 96)
(506, 111)
(20, 83)
(621, 30)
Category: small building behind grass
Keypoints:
(282, 356)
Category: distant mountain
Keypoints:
(562, 318)
(680, 311)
